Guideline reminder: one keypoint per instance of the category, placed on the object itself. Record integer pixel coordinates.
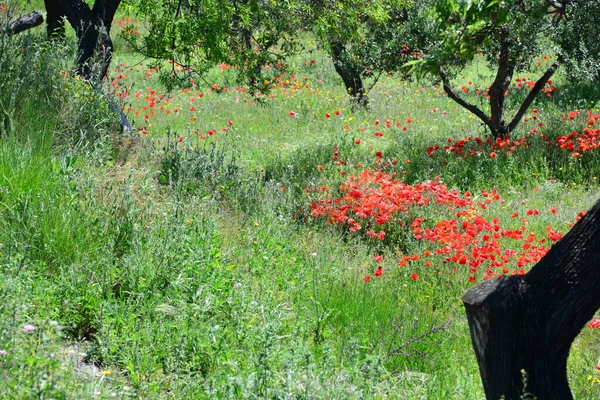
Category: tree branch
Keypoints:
(470, 107)
(26, 22)
(537, 88)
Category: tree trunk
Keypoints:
(499, 87)
(350, 73)
(55, 20)
(506, 67)
(523, 326)
(92, 27)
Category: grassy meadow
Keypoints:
(287, 246)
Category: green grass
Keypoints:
(200, 274)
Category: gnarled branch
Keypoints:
(470, 107)
(26, 22)
(537, 88)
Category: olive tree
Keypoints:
(509, 33)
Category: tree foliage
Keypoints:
(361, 37)
(251, 34)
(366, 39)
(578, 39)
(199, 34)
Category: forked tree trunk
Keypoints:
(525, 325)
(350, 73)
(496, 123)
(92, 26)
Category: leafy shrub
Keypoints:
(211, 170)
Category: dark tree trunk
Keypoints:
(55, 20)
(349, 72)
(525, 325)
(92, 26)
(26, 22)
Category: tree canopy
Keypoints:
(366, 39)
(199, 34)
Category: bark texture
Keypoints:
(92, 26)
(504, 76)
(525, 325)
(349, 72)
